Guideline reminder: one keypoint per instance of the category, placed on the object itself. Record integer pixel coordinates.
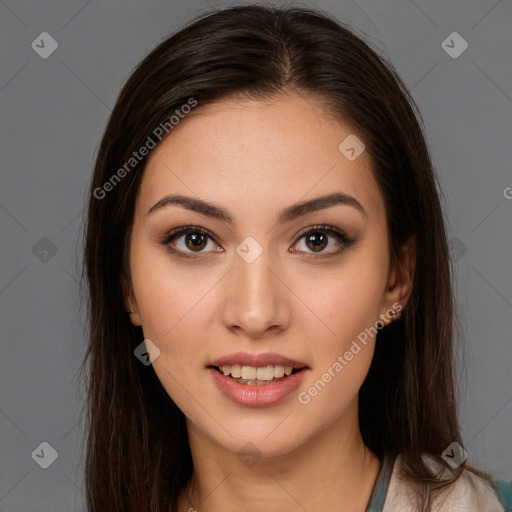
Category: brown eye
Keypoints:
(186, 240)
(317, 238)
(195, 241)
(318, 241)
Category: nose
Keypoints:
(256, 298)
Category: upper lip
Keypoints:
(266, 359)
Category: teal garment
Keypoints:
(380, 489)
(504, 492)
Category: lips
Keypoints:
(257, 360)
(256, 393)
(261, 380)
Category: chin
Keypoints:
(257, 442)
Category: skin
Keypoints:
(275, 153)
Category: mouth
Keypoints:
(257, 375)
(257, 380)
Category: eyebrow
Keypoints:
(286, 215)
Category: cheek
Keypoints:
(166, 292)
(348, 308)
(346, 301)
(170, 302)
(165, 307)
(176, 302)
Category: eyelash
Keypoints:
(323, 228)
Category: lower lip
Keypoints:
(257, 396)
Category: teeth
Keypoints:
(266, 373)
(236, 371)
(249, 372)
(278, 371)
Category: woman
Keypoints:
(270, 299)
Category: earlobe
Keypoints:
(401, 280)
(129, 301)
(134, 317)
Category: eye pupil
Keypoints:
(319, 241)
(197, 239)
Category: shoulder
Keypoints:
(468, 493)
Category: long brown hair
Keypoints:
(138, 457)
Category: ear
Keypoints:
(130, 303)
(401, 278)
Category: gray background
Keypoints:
(53, 112)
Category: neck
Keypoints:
(335, 461)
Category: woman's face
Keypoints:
(254, 285)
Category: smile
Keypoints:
(256, 392)
(256, 376)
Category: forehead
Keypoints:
(274, 152)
